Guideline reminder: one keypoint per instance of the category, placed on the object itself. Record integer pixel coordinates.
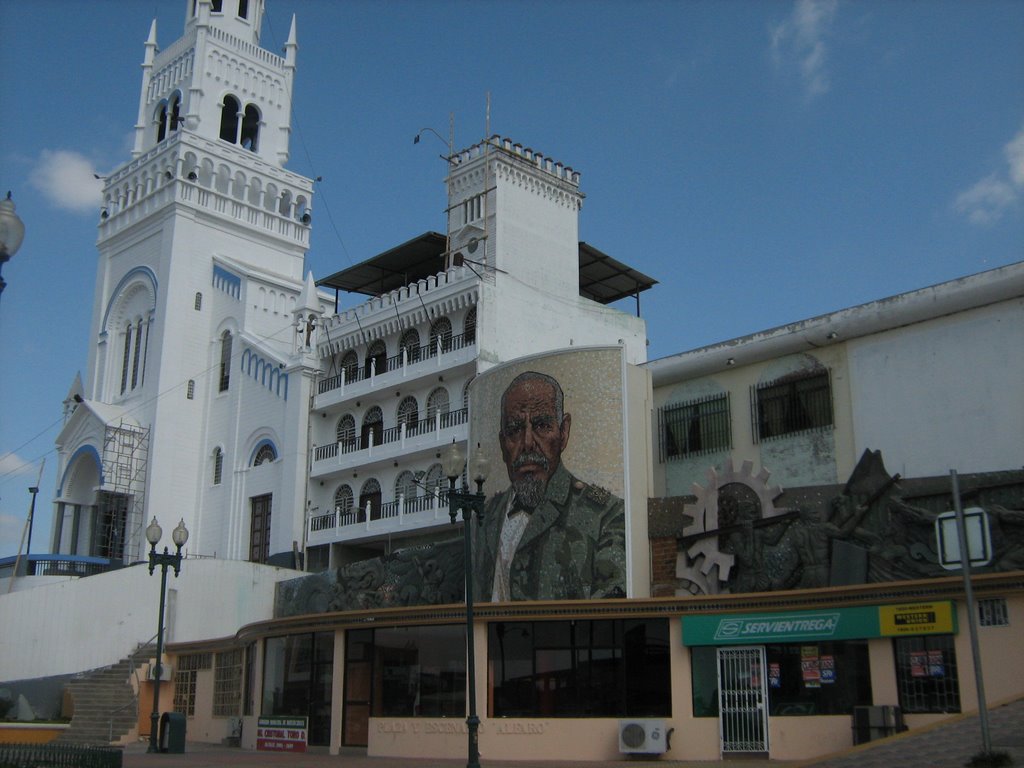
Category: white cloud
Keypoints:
(1015, 157)
(11, 464)
(68, 180)
(986, 201)
(800, 41)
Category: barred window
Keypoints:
(793, 403)
(926, 674)
(227, 684)
(695, 427)
(992, 612)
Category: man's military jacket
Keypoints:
(574, 546)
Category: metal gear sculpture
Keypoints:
(703, 568)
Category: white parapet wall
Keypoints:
(81, 624)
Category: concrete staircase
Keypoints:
(105, 703)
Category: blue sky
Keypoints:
(766, 161)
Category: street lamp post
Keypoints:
(179, 536)
(469, 503)
(12, 232)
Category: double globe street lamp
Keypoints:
(468, 502)
(12, 232)
(165, 560)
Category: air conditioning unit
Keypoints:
(166, 673)
(643, 736)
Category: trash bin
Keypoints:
(172, 732)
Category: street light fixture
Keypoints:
(12, 232)
(469, 503)
(179, 536)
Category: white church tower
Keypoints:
(195, 401)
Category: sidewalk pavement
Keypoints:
(948, 744)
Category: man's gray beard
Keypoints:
(530, 490)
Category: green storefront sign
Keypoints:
(834, 624)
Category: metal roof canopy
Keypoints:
(413, 260)
(602, 278)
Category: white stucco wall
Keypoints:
(86, 623)
(943, 394)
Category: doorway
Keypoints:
(743, 700)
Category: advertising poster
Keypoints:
(554, 525)
(828, 670)
(810, 666)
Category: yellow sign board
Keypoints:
(917, 619)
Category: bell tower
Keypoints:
(202, 241)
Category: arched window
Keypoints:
(174, 118)
(161, 123)
(350, 365)
(437, 403)
(409, 414)
(410, 344)
(199, 301)
(229, 119)
(343, 500)
(346, 430)
(441, 331)
(469, 326)
(369, 494)
(465, 396)
(264, 455)
(435, 481)
(376, 357)
(373, 427)
(126, 357)
(218, 465)
(405, 487)
(225, 361)
(250, 128)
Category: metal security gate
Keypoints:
(742, 699)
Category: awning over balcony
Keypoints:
(602, 278)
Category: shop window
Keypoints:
(601, 668)
(420, 672)
(793, 403)
(926, 674)
(298, 673)
(694, 428)
(185, 674)
(227, 684)
(811, 679)
(249, 680)
(992, 612)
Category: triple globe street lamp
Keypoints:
(165, 560)
(469, 503)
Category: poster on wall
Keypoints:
(554, 525)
